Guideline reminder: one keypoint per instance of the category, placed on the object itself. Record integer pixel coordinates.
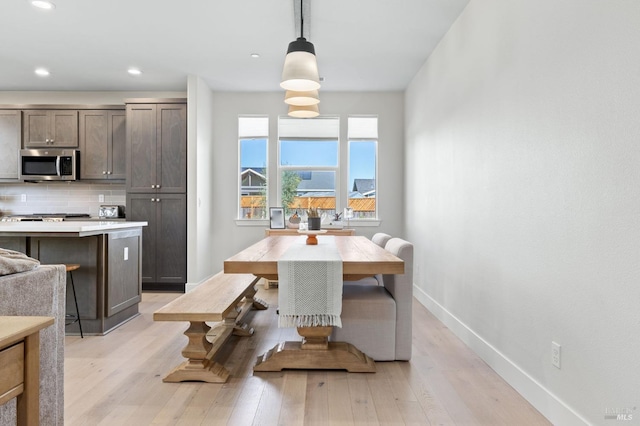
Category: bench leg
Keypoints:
(258, 304)
(199, 366)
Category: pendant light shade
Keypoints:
(300, 72)
(303, 111)
(309, 97)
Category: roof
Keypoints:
(364, 185)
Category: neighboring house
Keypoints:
(366, 187)
(316, 184)
(253, 180)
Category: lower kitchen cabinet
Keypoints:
(14, 243)
(164, 239)
(107, 283)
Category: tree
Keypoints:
(290, 181)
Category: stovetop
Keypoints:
(44, 217)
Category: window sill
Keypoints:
(253, 222)
(265, 223)
(361, 223)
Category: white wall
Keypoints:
(230, 237)
(523, 200)
(200, 201)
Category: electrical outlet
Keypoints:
(126, 253)
(101, 198)
(23, 198)
(555, 354)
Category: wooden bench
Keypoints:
(223, 298)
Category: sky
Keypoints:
(362, 158)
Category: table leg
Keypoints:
(199, 366)
(315, 352)
(28, 403)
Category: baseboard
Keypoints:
(555, 410)
(191, 286)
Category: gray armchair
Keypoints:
(377, 319)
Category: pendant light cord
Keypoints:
(301, 21)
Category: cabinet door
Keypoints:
(123, 271)
(172, 148)
(102, 145)
(10, 144)
(143, 207)
(64, 128)
(118, 145)
(93, 144)
(36, 128)
(171, 251)
(141, 148)
(50, 128)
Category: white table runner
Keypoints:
(310, 285)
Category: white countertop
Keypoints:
(73, 227)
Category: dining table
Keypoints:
(360, 257)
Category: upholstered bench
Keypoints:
(223, 298)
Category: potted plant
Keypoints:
(313, 219)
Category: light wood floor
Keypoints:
(117, 380)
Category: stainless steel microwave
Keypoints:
(49, 164)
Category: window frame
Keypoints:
(336, 169)
(376, 145)
(239, 216)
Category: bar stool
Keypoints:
(75, 318)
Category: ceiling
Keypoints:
(375, 45)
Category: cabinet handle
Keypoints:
(153, 200)
(52, 141)
(157, 200)
(157, 186)
(104, 173)
(109, 172)
(153, 186)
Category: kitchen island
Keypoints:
(108, 283)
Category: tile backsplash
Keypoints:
(58, 197)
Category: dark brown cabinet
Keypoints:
(10, 144)
(164, 239)
(156, 188)
(107, 283)
(103, 145)
(50, 128)
(157, 148)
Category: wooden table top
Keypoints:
(360, 257)
(15, 328)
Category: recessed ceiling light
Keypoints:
(255, 55)
(43, 4)
(42, 72)
(134, 71)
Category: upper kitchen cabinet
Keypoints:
(103, 145)
(50, 128)
(10, 144)
(157, 147)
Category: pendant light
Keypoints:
(300, 72)
(303, 111)
(309, 97)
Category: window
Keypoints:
(363, 147)
(253, 134)
(308, 166)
